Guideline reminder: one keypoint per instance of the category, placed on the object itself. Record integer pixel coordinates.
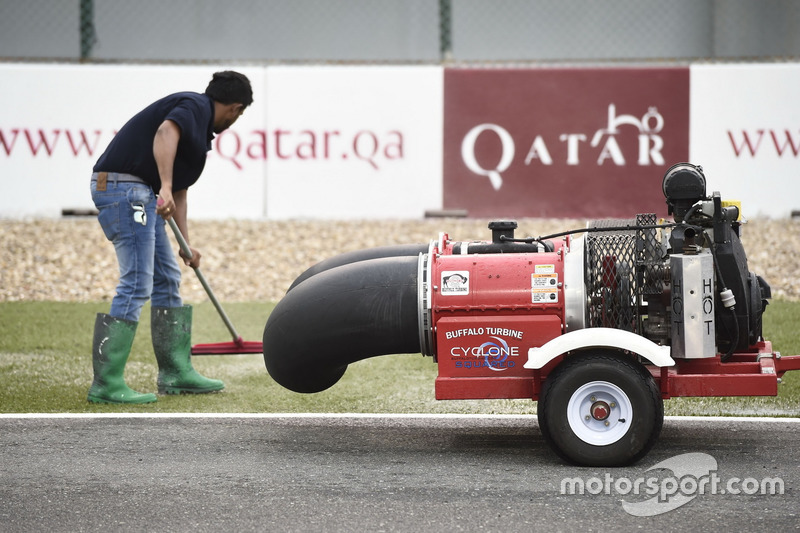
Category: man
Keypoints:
(140, 181)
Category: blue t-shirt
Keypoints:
(131, 149)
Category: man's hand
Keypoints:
(194, 262)
(165, 205)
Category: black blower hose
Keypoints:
(340, 316)
(361, 255)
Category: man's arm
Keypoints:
(181, 220)
(165, 146)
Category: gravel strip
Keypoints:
(70, 260)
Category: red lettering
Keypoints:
(366, 150)
(306, 145)
(42, 142)
(394, 150)
(83, 142)
(328, 136)
(310, 147)
(789, 143)
(260, 145)
(746, 142)
(6, 145)
(228, 154)
(278, 135)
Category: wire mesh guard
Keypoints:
(405, 31)
(623, 268)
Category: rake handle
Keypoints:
(187, 252)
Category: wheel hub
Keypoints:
(600, 410)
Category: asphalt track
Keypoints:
(309, 473)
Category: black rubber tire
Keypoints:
(609, 370)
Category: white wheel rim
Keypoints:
(592, 430)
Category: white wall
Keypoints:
(355, 142)
(345, 142)
(745, 132)
(317, 142)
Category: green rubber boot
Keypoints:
(171, 328)
(111, 346)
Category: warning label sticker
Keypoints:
(544, 286)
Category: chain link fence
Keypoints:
(399, 31)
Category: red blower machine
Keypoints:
(599, 325)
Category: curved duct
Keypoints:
(361, 255)
(339, 316)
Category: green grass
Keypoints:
(45, 367)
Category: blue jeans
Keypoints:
(147, 265)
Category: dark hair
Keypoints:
(229, 87)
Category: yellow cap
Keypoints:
(737, 203)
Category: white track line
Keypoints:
(443, 416)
